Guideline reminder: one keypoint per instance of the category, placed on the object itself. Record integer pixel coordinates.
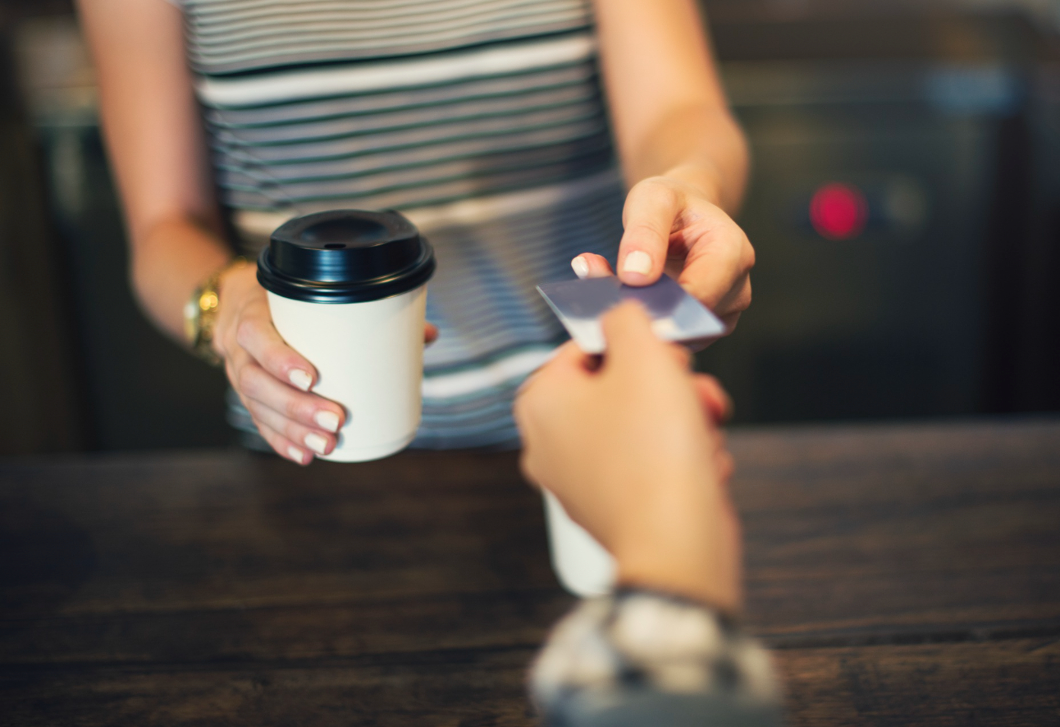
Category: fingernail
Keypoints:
(580, 267)
(327, 420)
(637, 261)
(296, 454)
(301, 379)
(316, 442)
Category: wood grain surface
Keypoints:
(903, 574)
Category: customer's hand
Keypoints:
(632, 451)
(671, 226)
(273, 381)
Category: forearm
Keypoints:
(157, 151)
(668, 107)
(701, 145)
(169, 259)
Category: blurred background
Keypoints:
(905, 207)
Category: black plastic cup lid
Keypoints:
(345, 256)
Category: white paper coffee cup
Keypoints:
(582, 565)
(347, 290)
(369, 359)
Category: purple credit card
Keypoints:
(676, 315)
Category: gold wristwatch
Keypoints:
(200, 315)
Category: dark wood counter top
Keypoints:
(903, 574)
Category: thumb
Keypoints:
(567, 361)
(648, 217)
(627, 330)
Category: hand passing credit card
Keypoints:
(676, 315)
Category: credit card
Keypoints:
(676, 315)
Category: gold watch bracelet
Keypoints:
(200, 313)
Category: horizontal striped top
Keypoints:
(482, 120)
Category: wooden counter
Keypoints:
(904, 575)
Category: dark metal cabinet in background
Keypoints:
(142, 391)
(913, 315)
(136, 390)
(889, 322)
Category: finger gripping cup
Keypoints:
(347, 290)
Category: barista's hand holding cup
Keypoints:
(347, 290)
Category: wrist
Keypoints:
(234, 277)
(702, 175)
(687, 545)
(687, 577)
(202, 313)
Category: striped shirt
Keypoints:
(483, 121)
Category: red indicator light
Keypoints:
(839, 211)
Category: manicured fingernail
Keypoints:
(301, 379)
(637, 261)
(296, 454)
(580, 267)
(316, 442)
(327, 420)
